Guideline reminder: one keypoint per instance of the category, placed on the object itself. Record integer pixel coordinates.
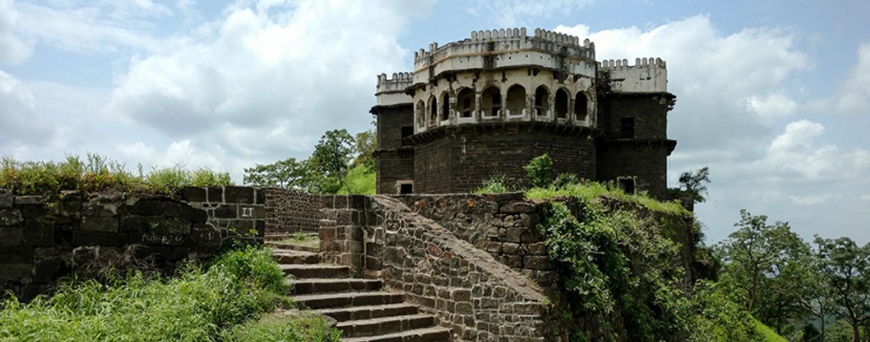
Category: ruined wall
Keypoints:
(468, 289)
(504, 225)
(650, 113)
(465, 157)
(42, 238)
(647, 161)
(394, 167)
(288, 211)
(395, 161)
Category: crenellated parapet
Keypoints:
(391, 91)
(647, 75)
(507, 48)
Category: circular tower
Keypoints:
(488, 104)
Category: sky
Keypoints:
(773, 95)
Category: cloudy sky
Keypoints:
(773, 95)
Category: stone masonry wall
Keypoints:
(468, 289)
(42, 239)
(289, 211)
(502, 224)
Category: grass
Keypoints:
(588, 191)
(201, 304)
(360, 181)
(300, 238)
(768, 333)
(306, 328)
(98, 173)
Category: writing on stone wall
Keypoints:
(247, 212)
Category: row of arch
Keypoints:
(491, 104)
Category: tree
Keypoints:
(755, 251)
(331, 158)
(695, 183)
(805, 282)
(365, 145)
(845, 268)
(538, 171)
(287, 174)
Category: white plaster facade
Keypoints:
(466, 75)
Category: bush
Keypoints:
(565, 179)
(98, 174)
(198, 305)
(307, 328)
(538, 171)
(496, 184)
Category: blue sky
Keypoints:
(774, 95)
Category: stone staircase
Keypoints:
(363, 309)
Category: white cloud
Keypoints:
(179, 153)
(12, 49)
(517, 12)
(770, 108)
(267, 68)
(853, 96)
(91, 28)
(799, 151)
(19, 121)
(813, 199)
(865, 197)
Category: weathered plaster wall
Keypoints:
(42, 238)
(467, 288)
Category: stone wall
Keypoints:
(462, 158)
(288, 211)
(504, 225)
(468, 289)
(44, 238)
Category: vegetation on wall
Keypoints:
(221, 302)
(98, 173)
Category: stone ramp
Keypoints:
(363, 309)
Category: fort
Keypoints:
(490, 103)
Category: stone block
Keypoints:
(6, 198)
(535, 262)
(150, 207)
(10, 217)
(39, 233)
(100, 224)
(169, 226)
(239, 194)
(226, 212)
(510, 248)
(193, 194)
(517, 207)
(30, 200)
(158, 239)
(192, 214)
(33, 211)
(538, 248)
(260, 195)
(464, 308)
(11, 237)
(16, 270)
(47, 269)
(251, 211)
(204, 235)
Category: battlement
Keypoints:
(391, 91)
(638, 63)
(647, 75)
(397, 83)
(508, 42)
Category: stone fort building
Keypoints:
(492, 102)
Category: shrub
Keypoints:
(196, 306)
(538, 171)
(307, 328)
(496, 184)
(565, 179)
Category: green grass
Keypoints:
(360, 181)
(306, 328)
(588, 191)
(768, 333)
(201, 304)
(98, 173)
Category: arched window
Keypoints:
(516, 99)
(490, 101)
(420, 114)
(542, 101)
(465, 102)
(561, 103)
(445, 106)
(433, 110)
(580, 106)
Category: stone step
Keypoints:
(433, 334)
(337, 300)
(316, 271)
(385, 325)
(277, 237)
(288, 246)
(369, 312)
(295, 257)
(318, 286)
